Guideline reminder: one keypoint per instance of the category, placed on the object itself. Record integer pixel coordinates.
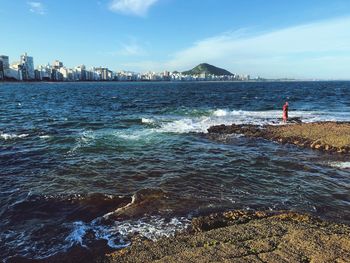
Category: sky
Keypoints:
(308, 39)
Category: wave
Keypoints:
(81, 220)
(340, 165)
(12, 136)
(118, 235)
(223, 116)
(180, 124)
(57, 215)
(220, 113)
(112, 138)
(44, 136)
(147, 120)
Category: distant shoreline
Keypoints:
(169, 81)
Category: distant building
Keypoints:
(27, 67)
(203, 76)
(15, 71)
(80, 73)
(38, 75)
(45, 72)
(57, 64)
(104, 73)
(2, 73)
(56, 75)
(5, 61)
(64, 72)
(4, 66)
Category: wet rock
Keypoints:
(241, 236)
(323, 136)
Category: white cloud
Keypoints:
(313, 50)
(37, 8)
(132, 7)
(131, 49)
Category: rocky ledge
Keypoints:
(325, 136)
(241, 236)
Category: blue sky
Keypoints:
(268, 38)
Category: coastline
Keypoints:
(231, 236)
(241, 236)
(172, 81)
(331, 137)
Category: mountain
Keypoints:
(207, 69)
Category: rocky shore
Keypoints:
(331, 137)
(240, 236)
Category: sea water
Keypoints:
(105, 161)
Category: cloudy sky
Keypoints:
(267, 38)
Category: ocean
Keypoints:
(81, 162)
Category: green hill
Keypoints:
(207, 69)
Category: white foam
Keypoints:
(79, 231)
(186, 125)
(153, 228)
(12, 136)
(118, 234)
(221, 116)
(44, 136)
(84, 139)
(200, 124)
(341, 165)
(133, 135)
(147, 121)
(220, 113)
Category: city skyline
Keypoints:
(272, 40)
(24, 70)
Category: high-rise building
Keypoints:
(4, 66)
(2, 73)
(80, 73)
(57, 64)
(28, 67)
(15, 71)
(5, 62)
(104, 73)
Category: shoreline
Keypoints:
(167, 81)
(231, 236)
(243, 236)
(330, 137)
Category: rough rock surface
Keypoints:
(240, 236)
(324, 136)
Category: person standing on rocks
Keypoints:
(285, 112)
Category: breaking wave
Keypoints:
(222, 116)
(193, 123)
(12, 136)
(340, 165)
(119, 234)
(87, 220)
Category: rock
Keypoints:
(248, 237)
(324, 136)
(318, 146)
